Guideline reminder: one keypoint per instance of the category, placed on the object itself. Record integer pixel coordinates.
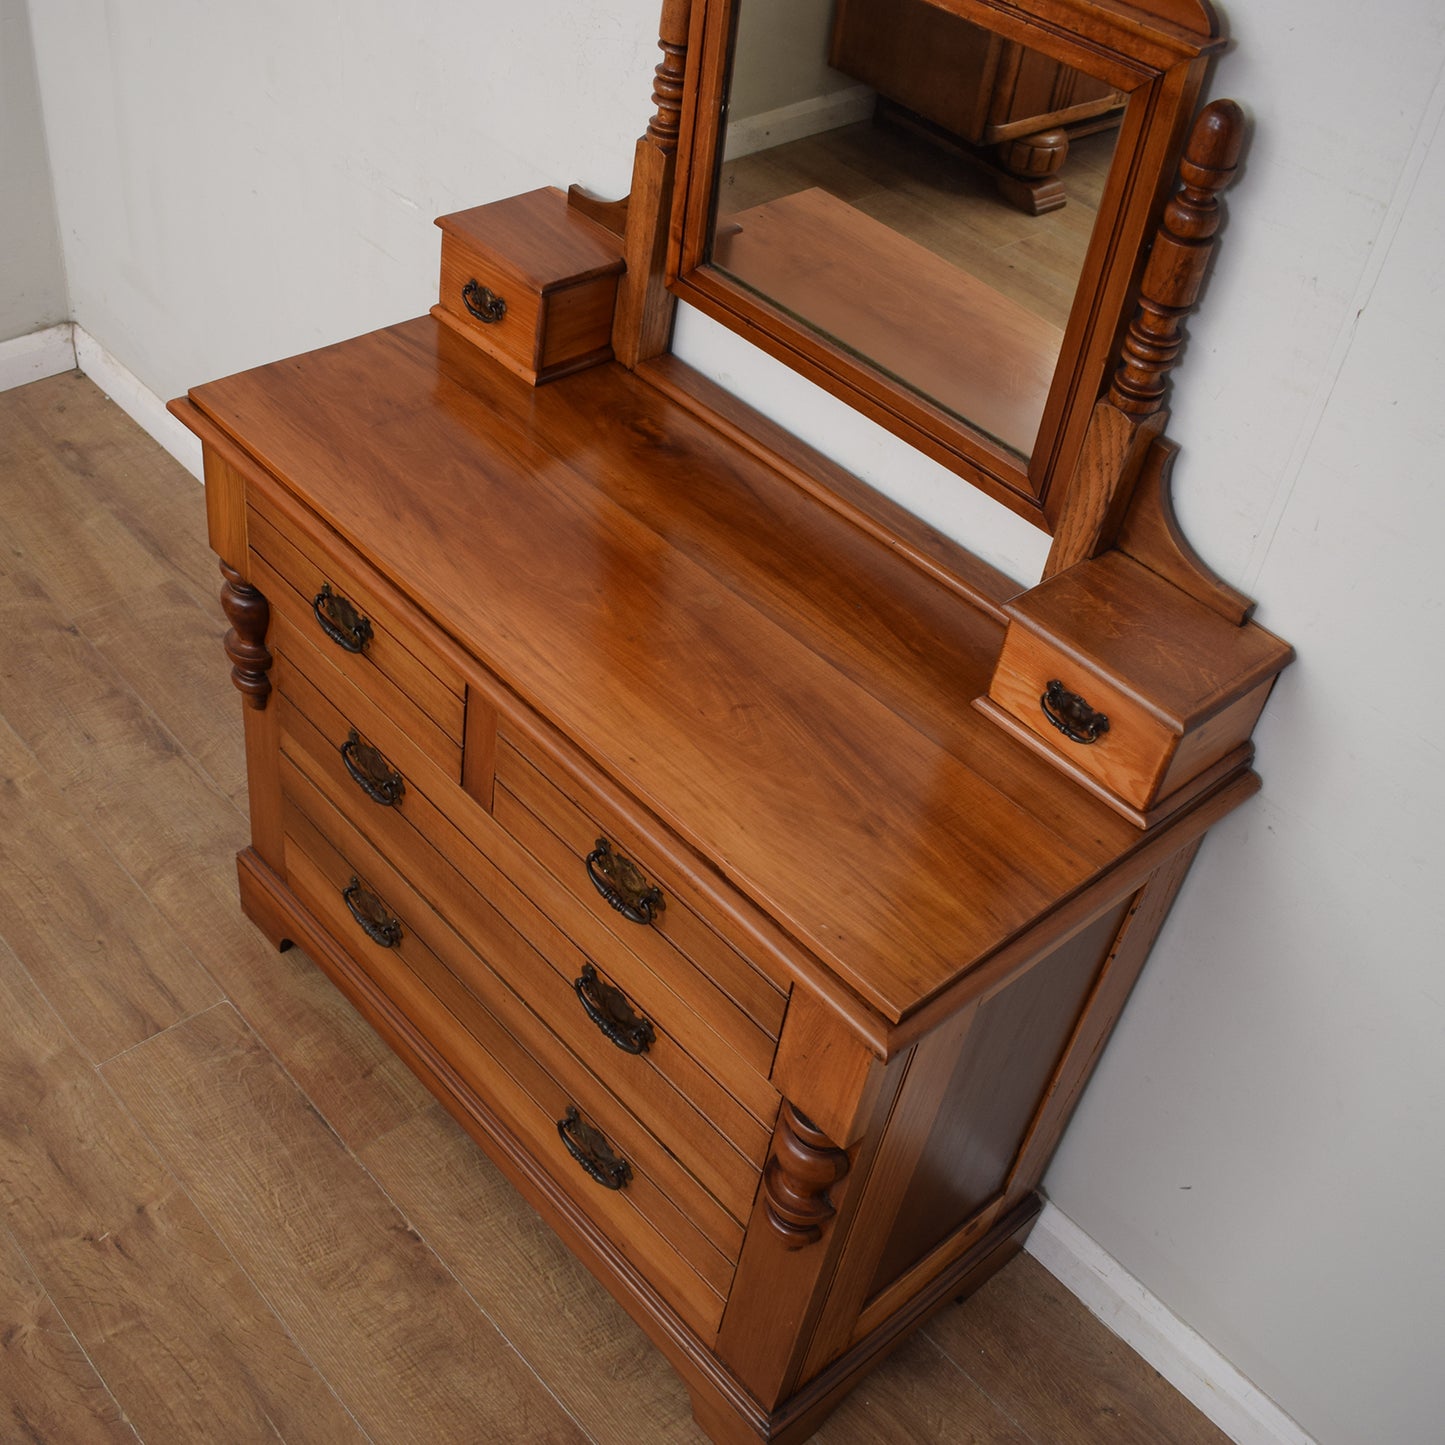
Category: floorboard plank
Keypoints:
(66, 906)
(1024, 1337)
(95, 500)
(562, 1321)
(173, 831)
(175, 1329)
(49, 1390)
(917, 1395)
(397, 1336)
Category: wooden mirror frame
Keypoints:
(1156, 50)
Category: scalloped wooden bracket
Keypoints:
(1151, 535)
(610, 215)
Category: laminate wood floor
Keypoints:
(229, 1214)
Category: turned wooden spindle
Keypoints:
(249, 614)
(805, 1165)
(642, 325)
(1178, 260)
(1130, 418)
(663, 128)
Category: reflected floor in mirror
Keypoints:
(941, 199)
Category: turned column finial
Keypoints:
(1175, 270)
(667, 84)
(804, 1166)
(249, 614)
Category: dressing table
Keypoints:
(754, 873)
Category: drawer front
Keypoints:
(1129, 758)
(468, 273)
(343, 622)
(659, 1217)
(588, 856)
(640, 1054)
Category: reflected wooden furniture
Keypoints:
(755, 874)
(1018, 107)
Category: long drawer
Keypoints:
(588, 851)
(652, 1209)
(318, 598)
(636, 1054)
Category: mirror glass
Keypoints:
(915, 191)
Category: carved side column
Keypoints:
(249, 614)
(644, 307)
(1129, 419)
(804, 1166)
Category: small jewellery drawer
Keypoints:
(1086, 678)
(531, 282)
(637, 901)
(342, 625)
(456, 998)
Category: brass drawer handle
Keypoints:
(371, 772)
(371, 913)
(483, 303)
(589, 1147)
(611, 1010)
(340, 621)
(1073, 717)
(618, 880)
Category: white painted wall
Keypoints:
(32, 277)
(781, 56)
(1262, 1147)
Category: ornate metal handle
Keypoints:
(618, 880)
(370, 912)
(589, 1147)
(611, 1010)
(1073, 717)
(371, 772)
(340, 621)
(483, 303)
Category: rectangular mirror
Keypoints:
(892, 228)
(934, 208)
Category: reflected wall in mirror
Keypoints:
(937, 209)
(855, 195)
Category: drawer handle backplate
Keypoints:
(589, 1147)
(371, 772)
(611, 1010)
(340, 621)
(1073, 717)
(371, 913)
(483, 303)
(619, 881)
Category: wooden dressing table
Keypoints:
(728, 852)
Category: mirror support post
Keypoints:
(643, 325)
(1126, 423)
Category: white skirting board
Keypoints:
(137, 401)
(1197, 1370)
(36, 356)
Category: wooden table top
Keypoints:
(779, 688)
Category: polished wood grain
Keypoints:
(49, 1389)
(550, 540)
(178, 1336)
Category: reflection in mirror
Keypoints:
(866, 198)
